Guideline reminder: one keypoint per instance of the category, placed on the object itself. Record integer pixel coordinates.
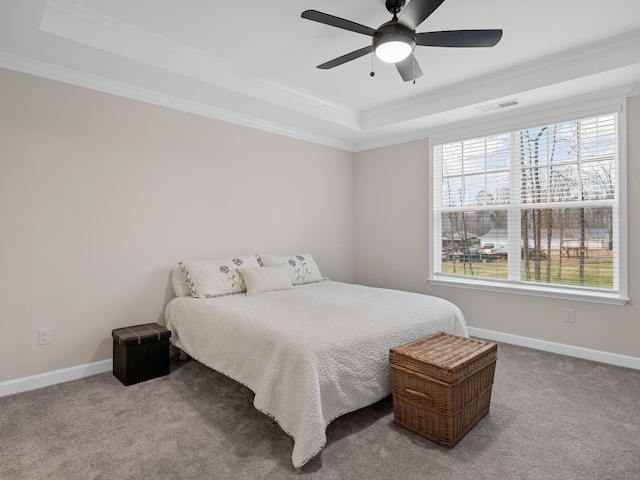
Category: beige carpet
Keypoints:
(552, 417)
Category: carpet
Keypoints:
(552, 417)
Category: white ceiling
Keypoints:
(253, 62)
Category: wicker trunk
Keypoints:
(441, 385)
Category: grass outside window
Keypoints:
(598, 269)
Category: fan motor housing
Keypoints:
(394, 31)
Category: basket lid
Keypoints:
(444, 356)
(136, 334)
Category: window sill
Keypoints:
(538, 291)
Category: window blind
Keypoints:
(536, 207)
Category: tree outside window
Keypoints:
(536, 207)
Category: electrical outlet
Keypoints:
(44, 336)
(569, 315)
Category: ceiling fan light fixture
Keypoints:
(394, 51)
(393, 42)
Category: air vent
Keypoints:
(499, 105)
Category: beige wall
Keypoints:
(392, 201)
(101, 195)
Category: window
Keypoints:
(534, 210)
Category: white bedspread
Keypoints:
(309, 354)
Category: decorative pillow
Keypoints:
(265, 279)
(214, 278)
(301, 268)
(180, 287)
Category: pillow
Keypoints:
(301, 268)
(265, 279)
(214, 278)
(180, 287)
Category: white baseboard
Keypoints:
(81, 371)
(561, 348)
(51, 378)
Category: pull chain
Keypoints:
(372, 55)
(413, 66)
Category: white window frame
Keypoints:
(601, 103)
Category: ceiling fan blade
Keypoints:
(417, 11)
(409, 68)
(337, 22)
(346, 58)
(459, 38)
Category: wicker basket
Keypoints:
(441, 385)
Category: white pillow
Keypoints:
(180, 287)
(214, 278)
(301, 268)
(265, 279)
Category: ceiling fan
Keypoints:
(395, 40)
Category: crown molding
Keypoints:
(271, 105)
(380, 142)
(603, 101)
(68, 20)
(596, 58)
(93, 82)
(582, 104)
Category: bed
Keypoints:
(310, 353)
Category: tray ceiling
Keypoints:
(253, 62)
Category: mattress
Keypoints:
(309, 354)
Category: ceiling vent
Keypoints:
(499, 105)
